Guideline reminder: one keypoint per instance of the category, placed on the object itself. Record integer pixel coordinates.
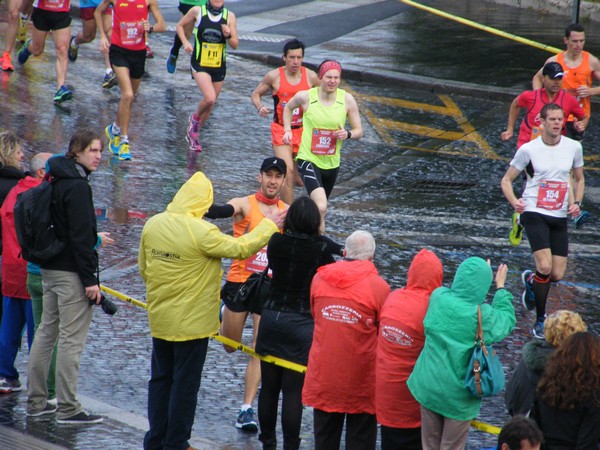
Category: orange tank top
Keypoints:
(575, 77)
(241, 269)
(284, 94)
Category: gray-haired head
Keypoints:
(360, 245)
(39, 162)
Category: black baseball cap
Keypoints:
(274, 162)
(553, 70)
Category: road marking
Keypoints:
(385, 126)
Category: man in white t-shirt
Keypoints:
(547, 200)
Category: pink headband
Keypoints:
(327, 66)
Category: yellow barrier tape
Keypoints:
(268, 358)
(479, 26)
(491, 429)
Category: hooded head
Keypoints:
(194, 197)
(425, 271)
(472, 280)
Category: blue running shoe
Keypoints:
(62, 95)
(113, 140)
(581, 219)
(124, 154)
(171, 63)
(24, 53)
(246, 422)
(538, 330)
(528, 297)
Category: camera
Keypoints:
(107, 305)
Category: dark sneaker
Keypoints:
(62, 95)
(581, 219)
(246, 422)
(528, 297)
(538, 330)
(110, 79)
(82, 418)
(73, 51)
(24, 53)
(171, 63)
(7, 386)
(48, 409)
(516, 231)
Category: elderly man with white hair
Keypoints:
(346, 298)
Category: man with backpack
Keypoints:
(70, 280)
(16, 300)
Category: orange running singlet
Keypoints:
(575, 77)
(240, 270)
(284, 94)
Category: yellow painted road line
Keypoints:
(485, 28)
(407, 104)
(485, 427)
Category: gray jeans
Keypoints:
(67, 316)
(442, 433)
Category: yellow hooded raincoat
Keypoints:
(180, 261)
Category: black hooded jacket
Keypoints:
(74, 219)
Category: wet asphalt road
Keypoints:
(426, 174)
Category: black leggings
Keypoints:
(274, 380)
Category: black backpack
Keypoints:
(33, 223)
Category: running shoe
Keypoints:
(149, 53)
(22, 29)
(62, 95)
(246, 422)
(516, 232)
(538, 330)
(528, 297)
(7, 386)
(24, 53)
(114, 140)
(192, 135)
(7, 65)
(171, 63)
(579, 221)
(110, 79)
(124, 154)
(73, 51)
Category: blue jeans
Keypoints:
(16, 313)
(173, 392)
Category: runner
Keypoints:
(88, 34)
(533, 102)
(325, 109)
(127, 53)
(283, 83)
(581, 68)
(184, 7)
(546, 201)
(247, 213)
(51, 15)
(214, 27)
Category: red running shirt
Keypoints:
(127, 27)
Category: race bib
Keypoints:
(297, 117)
(132, 33)
(323, 142)
(54, 5)
(258, 262)
(211, 55)
(551, 194)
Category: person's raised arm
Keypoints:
(507, 189)
(230, 31)
(513, 114)
(263, 88)
(159, 25)
(185, 23)
(300, 100)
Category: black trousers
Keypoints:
(400, 438)
(361, 430)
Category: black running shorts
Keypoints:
(314, 178)
(546, 232)
(134, 60)
(50, 20)
(228, 292)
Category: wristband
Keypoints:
(578, 203)
(151, 30)
(349, 134)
